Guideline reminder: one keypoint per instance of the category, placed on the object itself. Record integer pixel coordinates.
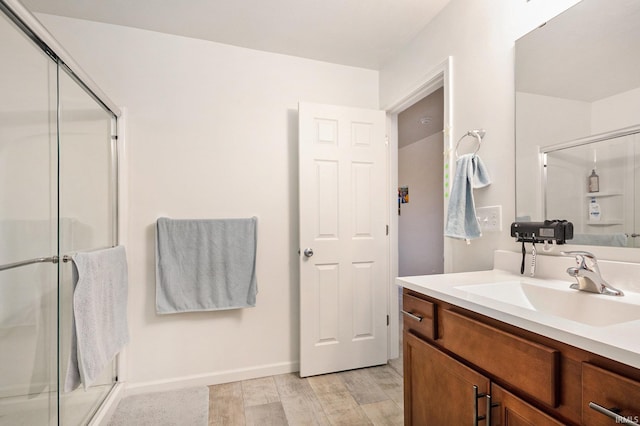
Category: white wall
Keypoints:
(211, 133)
(542, 121)
(615, 112)
(420, 224)
(480, 36)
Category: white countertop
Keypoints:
(619, 341)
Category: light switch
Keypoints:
(490, 218)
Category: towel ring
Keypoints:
(478, 134)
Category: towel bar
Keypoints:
(52, 259)
(477, 133)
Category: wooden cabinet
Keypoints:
(442, 391)
(439, 389)
(456, 358)
(612, 392)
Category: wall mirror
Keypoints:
(578, 122)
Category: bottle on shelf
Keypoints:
(594, 210)
(594, 181)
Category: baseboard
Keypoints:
(23, 390)
(216, 378)
(109, 405)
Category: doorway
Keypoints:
(437, 79)
(420, 179)
(420, 193)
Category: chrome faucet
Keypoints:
(587, 273)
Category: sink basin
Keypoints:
(588, 308)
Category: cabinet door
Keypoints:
(617, 394)
(438, 389)
(509, 410)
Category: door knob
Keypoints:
(308, 252)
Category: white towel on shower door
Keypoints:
(100, 328)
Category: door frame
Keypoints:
(439, 76)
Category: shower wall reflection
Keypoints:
(602, 215)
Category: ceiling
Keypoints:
(422, 119)
(350, 32)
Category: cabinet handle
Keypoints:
(476, 397)
(612, 414)
(410, 315)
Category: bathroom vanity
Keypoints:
(494, 347)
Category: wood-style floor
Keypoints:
(369, 396)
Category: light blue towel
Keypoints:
(100, 328)
(462, 222)
(205, 265)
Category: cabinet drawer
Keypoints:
(531, 367)
(610, 391)
(419, 316)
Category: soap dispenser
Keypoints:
(594, 181)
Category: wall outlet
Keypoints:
(490, 218)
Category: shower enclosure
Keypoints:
(58, 192)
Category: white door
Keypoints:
(343, 238)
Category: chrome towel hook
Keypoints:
(476, 133)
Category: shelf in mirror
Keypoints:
(606, 223)
(603, 194)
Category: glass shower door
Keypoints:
(87, 219)
(57, 197)
(28, 231)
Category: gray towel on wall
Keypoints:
(205, 264)
(99, 321)
(461, 215)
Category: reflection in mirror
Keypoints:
(577, 103)
(593, 181)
